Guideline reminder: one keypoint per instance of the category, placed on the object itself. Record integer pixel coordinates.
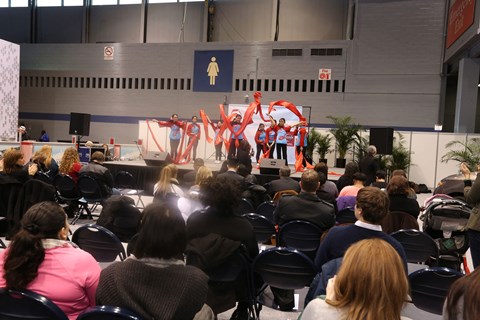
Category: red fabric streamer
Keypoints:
(205, 125)
(290, 106)
(153, 136)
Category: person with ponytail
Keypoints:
(41, 259)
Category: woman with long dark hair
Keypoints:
(41, 259)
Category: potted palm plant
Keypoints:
(319, 143)
(400, 158)
(468, 153)
(345, 133)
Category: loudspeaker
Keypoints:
(382, 138)
(79, 124)
(271, 166)
(157, 158)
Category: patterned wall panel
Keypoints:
(9, 89)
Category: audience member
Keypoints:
(369, 165)
(463, 297)
(358, 183)
(231, 173)
(41, 260)
(70, 163)
(96, 170)
(45, 162)
(347, 178)
(120, 216)
(284, 182)
(322, 193)
(167, 188)
(190, 202)
(411, 192)
(244, 155)
(44, 137)
(398, 190)
(188, 178)
(371, 284)
(328, 186)
(306, 206)
(253, 192)
(472, 196)
(380, 180)
(370, 209)
(214, 235)
(13, 166)
(156, 283)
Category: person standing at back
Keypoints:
(369, 165)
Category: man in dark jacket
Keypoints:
(369, 165)
(96, 170)
(283, 183)
(307, 205)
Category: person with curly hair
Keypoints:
(70, 163)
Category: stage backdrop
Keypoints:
(251, 129)
(9, 81)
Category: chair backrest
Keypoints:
(124, 180)
(229, 270)
(90, 189)
(244, 206)
(108, 313)
(301, 235)
(66, 187)
(429, 287)
(284, 268)
(43, 177)
(262, 227)
(100, 242)
(398, 220)
(266, 209)
(279, 194)
(24, 304)
(418, 246)
(346, 215)
(131, 244)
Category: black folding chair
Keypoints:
(429, 287)
(266, 209)
(346, 215)
(108, 313)
(68, 193)
(126, 183)
(25, 304)
(131, 244)
(244, 206)
(100, 242)
(43, 177)
(301, 235)
(284, 268)
(262, 227)
(91, 191)
(419, 247)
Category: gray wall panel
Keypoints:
(116, 24)
(59, 24)
(15, 24)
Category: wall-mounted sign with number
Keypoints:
(324, 74)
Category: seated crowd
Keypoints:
(192, 229)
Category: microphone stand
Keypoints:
(140, 157)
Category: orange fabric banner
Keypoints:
(153, 136)
(205, 125)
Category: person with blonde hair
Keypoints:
(45, 162)
(167, 183)
(70, 163)
(364, 288)
(13, 166)
(190, 202)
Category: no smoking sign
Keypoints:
(108, 52)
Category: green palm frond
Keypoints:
(345, 133)
(468, 152)
(400, 159)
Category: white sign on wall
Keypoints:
(324, 74)
(108, 52)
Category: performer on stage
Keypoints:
(193, 132)
(218, 141)
(236, 124)
(260, 139)
(175, 133)
(271, 137)
(301, 140)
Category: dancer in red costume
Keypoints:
(194, 133)
(175, 133)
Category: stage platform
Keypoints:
(147, 176)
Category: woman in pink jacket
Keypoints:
(41, 259)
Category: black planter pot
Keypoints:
(323, 160)
(340, 163)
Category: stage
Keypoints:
(147, 176)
